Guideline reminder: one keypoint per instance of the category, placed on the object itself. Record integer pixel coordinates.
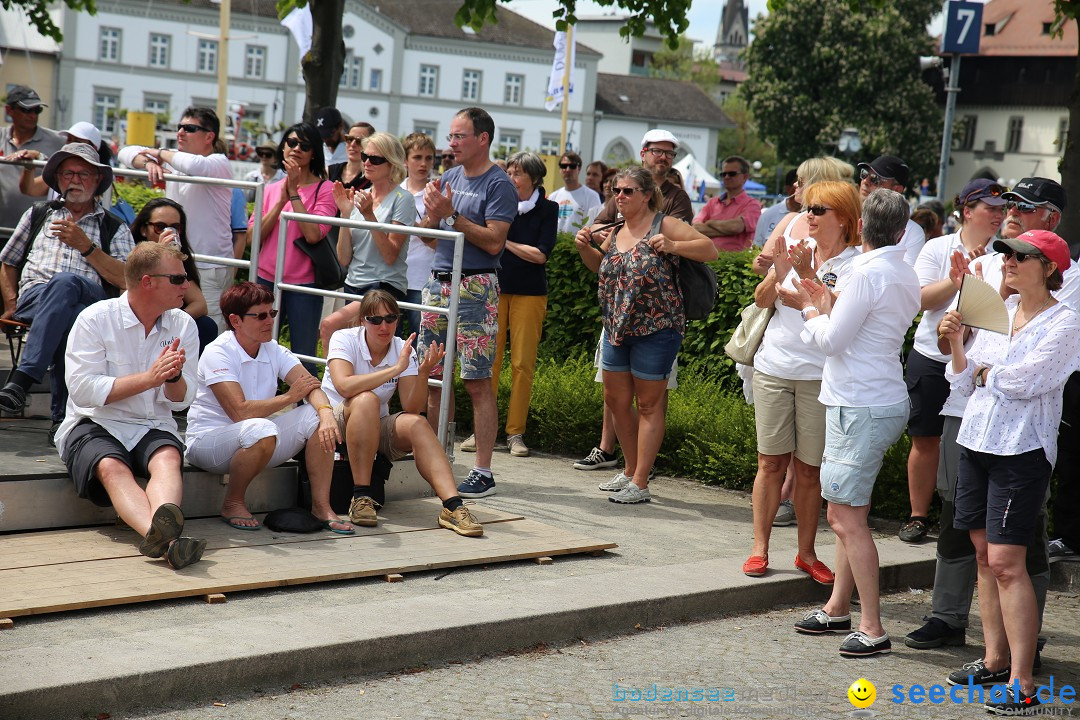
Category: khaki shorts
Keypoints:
(387, 432)
(789, 417)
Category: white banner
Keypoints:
(299, 24)
(558, 68)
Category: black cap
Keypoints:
(327, 121)
(891, 167)
(1038, 191)
(24, 97)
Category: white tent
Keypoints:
(694, 173)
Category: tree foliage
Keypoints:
(684, 63)
(38, 12)
(819, 66)
(745, 138)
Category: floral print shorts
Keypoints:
(478, 319)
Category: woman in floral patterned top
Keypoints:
(643, 317)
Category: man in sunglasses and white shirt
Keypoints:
(892, 173)
(208, 207)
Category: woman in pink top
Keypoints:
(303, 190)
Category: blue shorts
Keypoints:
(856, 439)
(648, 357)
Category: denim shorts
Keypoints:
(856, 439)
(478, 319)
(648, 357)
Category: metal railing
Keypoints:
(451, 311)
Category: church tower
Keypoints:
(733, 34)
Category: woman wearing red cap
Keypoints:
(1009, 445)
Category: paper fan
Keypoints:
(981, 306)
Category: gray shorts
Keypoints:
(88, 444)
(856, 439)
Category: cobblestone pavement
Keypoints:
(768, 670)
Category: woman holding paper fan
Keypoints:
(1009, 446)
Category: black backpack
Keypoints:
(110, 223)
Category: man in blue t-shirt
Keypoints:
(474, 197)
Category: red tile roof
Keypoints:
(1019, 30)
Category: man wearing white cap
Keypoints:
(24, 107)
(658, 149)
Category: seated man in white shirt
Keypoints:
(365, 366)
(126, 374)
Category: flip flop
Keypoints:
(327, 525)
(230, 522)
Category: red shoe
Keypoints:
(819, 571)
(755, 565)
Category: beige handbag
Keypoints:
(746, 339)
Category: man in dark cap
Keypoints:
(24, 107)
(331, 127)
(892, 173)
(60, 259)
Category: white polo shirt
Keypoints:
(223, 360)
(350, 344)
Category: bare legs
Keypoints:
(134, 505)
(640, 436)
(856, 567)
(922, 473)
(245, 465)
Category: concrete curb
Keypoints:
(213, 659)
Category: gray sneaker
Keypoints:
(785, 514)
(631, 495)
(615, 484)
(517, 446)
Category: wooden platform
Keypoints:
(54, 571)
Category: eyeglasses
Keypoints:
(83, 175)
(818, 210)
(32, 111)
(1020, 257)
(265, 153)
(380, 319)
(191, 128)
(352, 139)
(263, 315)
(730, 173)
(294, 142)
(173, 279)
(1023, 208)
(659, 152)
(373, 159)
(568, 166)
(160, 227)
(873, 178)
(458, 136)
(627, 191)
(994, 190)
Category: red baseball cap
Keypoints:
(1048, 244)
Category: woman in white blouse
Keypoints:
(1009, 446)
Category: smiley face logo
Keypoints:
(862, 693)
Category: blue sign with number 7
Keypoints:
(963, 28)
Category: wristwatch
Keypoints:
(979, 379)
(453, 218)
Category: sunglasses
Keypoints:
(873, 178)
(295, 142)
(173, 279)
(627, 191)
(353, 139)
(265, 153)
(160, 227)
(994, 190)
(448, 156)
(730, 173)
(568, 166)
(818, 210)
(32, 111)
(263, 315)
(373, 159)
(1021, 257)
(1023, 208)
(380, 319)
(191, 128)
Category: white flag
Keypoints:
(558, 67)
(299, 24)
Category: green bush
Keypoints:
(136, 193)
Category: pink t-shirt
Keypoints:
(298, 267)
(742, 206)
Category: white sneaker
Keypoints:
(469, 444)
(631, 495)
(615, 484)
(517, 446)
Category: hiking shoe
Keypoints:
(914, 530)
(12, 398)
(596, 459)
(1013, 705)
(461, 521)
(517, 446)
(165, 526)
(362, 512)
(785, 514)
(1058, 548)
(469, 444)
(818, 622)
(615, 484)
(185, 551)
(977, 673)
(631, 495)
(476, 485)
(859, 644)
(935, 633)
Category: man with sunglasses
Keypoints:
(892, 173)
(24, 107)
(731, 217)
(208, 207)
(574, 199)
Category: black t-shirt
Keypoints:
(333, 174)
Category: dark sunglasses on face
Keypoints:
(351, 139)
(818, 210)
(191, 128)
(988, 191)
(173, 279)
(568, 166)
(730, 173)
(448, 156)
(265, 153)
(32, 111)
(627, 191)
(380, 319)
(1021, 207)
(873, 178)
(373, 159)
(160, 227)
(295, 142)
(261, 317)
(1020, 257)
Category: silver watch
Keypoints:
(453, 218)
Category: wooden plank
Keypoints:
(6, 623)
(215, 599)
(115, 581)
(543, 560)
(394, 577)
(59, 547)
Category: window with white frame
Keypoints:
(255, 62)
(109, 45)
(376, 80)
(352, 71)
(514, 86)
(509, 142)
(160, 46)
(157, 104)
(208, 56)
(1016, 134)
(428, 129)
(106, 106)
(429, 80)
(549, 143)
(470, 85)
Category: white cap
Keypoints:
(85, 131)
(655, 136)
